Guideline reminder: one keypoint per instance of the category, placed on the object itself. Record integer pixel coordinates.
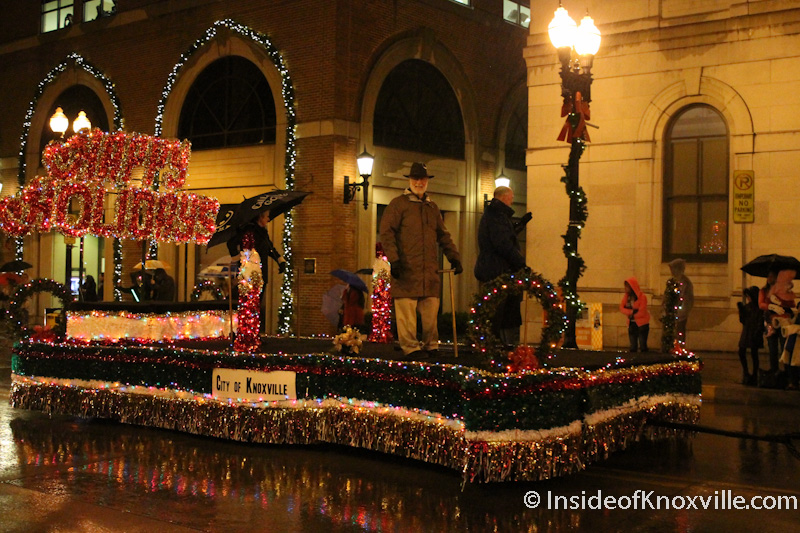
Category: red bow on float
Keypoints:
(582, 111)
(43, 334)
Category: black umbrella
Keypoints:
(276, 202)
(225, 225)
(762, 265)
(351, 279)
(15, 266)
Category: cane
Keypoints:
(453, 309)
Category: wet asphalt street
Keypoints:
(64, 474)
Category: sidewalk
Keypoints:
(722, 375)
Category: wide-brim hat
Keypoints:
(418, 171)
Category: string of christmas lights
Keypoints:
(485, 306)
(381, 302)
(286, 309)
(531, 425)
(251, 282)
(18, 315)
(51, 76)
(672, 302)
(579, 213)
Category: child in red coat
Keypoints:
(634, 306)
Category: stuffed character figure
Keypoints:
(782, 299)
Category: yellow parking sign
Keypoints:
(744, 197)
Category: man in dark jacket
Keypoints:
(412, 231)
(498, 254)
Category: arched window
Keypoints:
(696, 187)
(418, 111)
(517, 137)
(229, 104)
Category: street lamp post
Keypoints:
(59, 124)
(365, 161)
(576, 83)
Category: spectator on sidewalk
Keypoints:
(634, 306)
(751, 338)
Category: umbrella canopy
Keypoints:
(276, 202)
(221, 268)
(351, 279)
(152, 264)
(224, 224)
(332, 302)
(15, 266)
(762, 265)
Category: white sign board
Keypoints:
(250, 385)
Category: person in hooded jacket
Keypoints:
(499, 253)
(634, 306)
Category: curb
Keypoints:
(741, 395)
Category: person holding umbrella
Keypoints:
(252, 237)
(412, 232)
(352, 310)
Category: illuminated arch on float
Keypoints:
(226, 37)
(74, 70)
(495, 292)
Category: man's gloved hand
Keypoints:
(397, 270)
(457, 267)
(281, 267)
(526, 218)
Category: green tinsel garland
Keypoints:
(485, 306)
(483, 400)
(670, 317)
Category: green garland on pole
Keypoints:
(19, 316)
(496, 291)
(670, 316)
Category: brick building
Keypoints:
(277, 94)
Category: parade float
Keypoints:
(536, 416)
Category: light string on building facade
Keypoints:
(286, 309)
(119, 123)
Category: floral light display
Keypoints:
(286, 309)
(381, 301)
(490, 426)
(495, 292)
(80, 169)
(348, 341)
(248, 333)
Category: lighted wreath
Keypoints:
(207, 286)
(496, 291)
(18, 316)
